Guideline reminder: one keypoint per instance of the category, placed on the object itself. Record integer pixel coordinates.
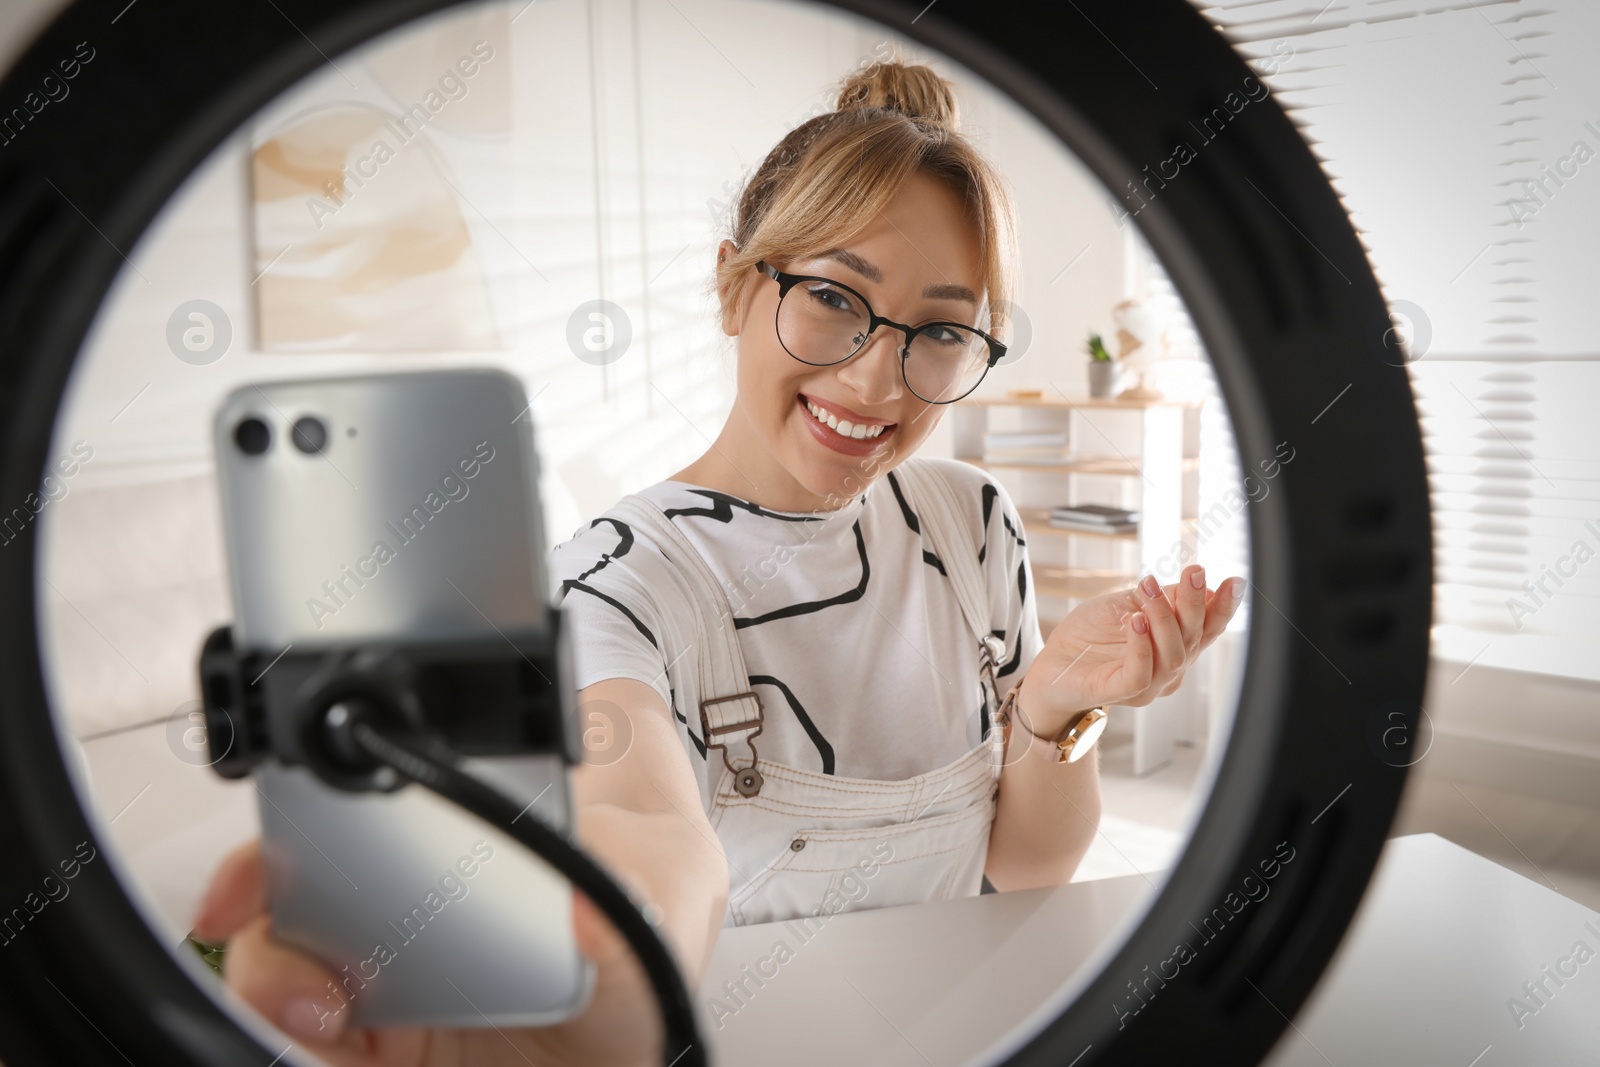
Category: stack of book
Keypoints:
(1094, 518)
(1047, 446)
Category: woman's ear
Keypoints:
(729, 292)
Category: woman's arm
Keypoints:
(641, 816)
(1127, 648)
(1047, 816)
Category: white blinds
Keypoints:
(1514, 472)
(1458, 135)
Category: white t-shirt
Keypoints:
(851, 631)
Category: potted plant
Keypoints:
(1102, 368)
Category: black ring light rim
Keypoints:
(1286, 326)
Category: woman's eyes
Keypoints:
(945, 335)
(836, 299)
(829, 297)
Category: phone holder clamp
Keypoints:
(499, 696)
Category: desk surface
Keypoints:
(909, 986)
(1443, 939)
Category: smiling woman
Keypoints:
(858, 697)
(884, 690)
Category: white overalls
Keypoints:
(793, 837)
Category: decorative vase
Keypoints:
(1142, 342)
(1102, 377)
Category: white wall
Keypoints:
(679, 131)
(629, 118)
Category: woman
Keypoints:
(825, 656)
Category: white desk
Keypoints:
(1443, 938)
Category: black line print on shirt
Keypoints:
(672, 699)
(916, 525)
(624, 543)
(989, 495)
(723, 505)
(809, 606)
(572, 583)
(824, 749)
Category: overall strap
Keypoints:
(942, 517)
(730, 712)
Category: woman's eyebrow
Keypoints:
(855, 263)
(941, 291)
(950, 292)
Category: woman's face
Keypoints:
(918, 261)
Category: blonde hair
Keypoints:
(831, 175)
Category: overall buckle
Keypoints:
(747, 781)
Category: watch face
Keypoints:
(1085, 734)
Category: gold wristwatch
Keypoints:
(1074, 741)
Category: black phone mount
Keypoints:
(499, 696)
(379, 715)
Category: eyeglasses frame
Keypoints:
(787, 281)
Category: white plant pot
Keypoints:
(1102, 377)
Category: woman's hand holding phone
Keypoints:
(638, 815)
(1126, 647)
(621, 1024)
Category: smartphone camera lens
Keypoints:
(310, 435)
(252, 436)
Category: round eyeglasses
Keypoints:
(823, 322)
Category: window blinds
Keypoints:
(1458, 134)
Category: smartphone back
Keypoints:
(400, 507)
(417, 517)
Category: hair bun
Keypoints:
(916, 91)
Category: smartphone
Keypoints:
(382, 508)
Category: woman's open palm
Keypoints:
(1132, 645)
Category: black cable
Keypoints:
(430, 763)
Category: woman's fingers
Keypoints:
(300, 997)
(1177, 622)
(1139, 664)
(1222, 608)
(1189, 596)
(286, 987)
(599, 941)
(1165, 633)
(237, 894)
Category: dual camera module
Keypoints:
(253, 436)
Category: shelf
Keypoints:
(1037, 520)
(1115, 466)
(1078, 582)
(1085, 401)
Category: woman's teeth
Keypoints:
(843, 427)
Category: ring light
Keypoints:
(1259, 249)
